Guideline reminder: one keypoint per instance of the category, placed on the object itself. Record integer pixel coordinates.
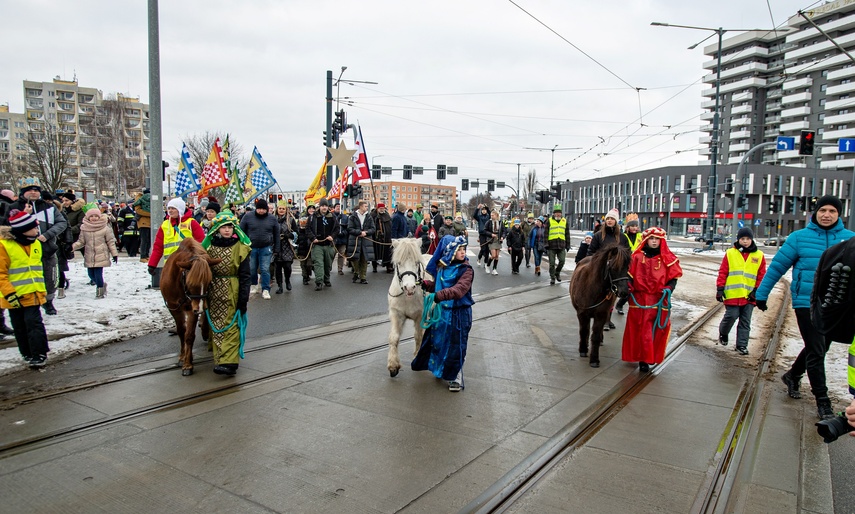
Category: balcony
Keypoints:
(751, 68)
(739, 147)
(740, 134)
(837, 164)
(771, 107)
(741, 109)
(709, 104)
(798, 98)
(707, 116)
(839, 89)
(794, 125)
(735, 86)
(65, 95)
(754, 51)
(832, 135)
(771, 133)
(34, 93)
(838, 104)
(85, 109)
(840, 118)
(796, 111)
(742, 97)
(821, 47)
(842, 73)
(843, 23)
(35, 103)
(4, 134)
(798, 84)
(739, 122)
(87, 99)
(774, 93)
(35, 115)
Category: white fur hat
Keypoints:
(179, 204)
(614, 214)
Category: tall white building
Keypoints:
(13, 144)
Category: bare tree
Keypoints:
(530, 184)
(51, 153)
(199, 146)
(485, 198)
(118, 147)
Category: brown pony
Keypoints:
(597, 281)
(184, 285)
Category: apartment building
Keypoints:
(13, 144)
(107, 138)
(411, 194)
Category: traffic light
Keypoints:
(326, 139)
(813, 200)
(408, 172)
(355, 191)
(347, 191)
(165, 165)
(542, 196)
(791, 205)
(375, 171)
(440, 171)
(556, 190)
(804, 202)
(464, 184)
(742, 202)
(340, 123)
(728, 185)
(491, 185)
(806, 141)
(773, 206)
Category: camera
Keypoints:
(831, 429)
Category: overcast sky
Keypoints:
(467, 83)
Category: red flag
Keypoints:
(361, 171)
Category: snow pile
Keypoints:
(129, 310)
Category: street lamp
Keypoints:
(518, 176)
(713, 178)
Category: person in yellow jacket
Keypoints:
(22, 285)
(741, 271)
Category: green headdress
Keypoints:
(225, 218)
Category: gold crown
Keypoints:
(631, 217)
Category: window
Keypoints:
(19, 124)
(20, 135)
(693, 202)
(823, 87)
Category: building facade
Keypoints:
(107, 138)
(782, 82)
(676, 197)
(13, 145)
(410, 194)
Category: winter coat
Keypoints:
(340, 237)
(605, 237)
(801, 252)
(52, 222)
(487, 232)
(526, 230)
(556, 243)
(6, 287)
(382, 234)
(424, 232)
(321, 226)
(724, 271)
(447, 230)
(354, 230)
(98, 243)
(482, 219)
(263, 231)
(287, 229)
(459, 228)
(157, 248)
(515, 239)
(582, 252)
(412, 225)
(74, 216)
(400, 228)
(303, 243)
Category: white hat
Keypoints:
(179, 204)
(614, 214)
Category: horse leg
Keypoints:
(584, 332)
(178, 316)
(393, 362)
(600, 320)
(190, 320)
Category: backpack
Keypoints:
(832, 301)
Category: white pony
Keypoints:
(406, 296)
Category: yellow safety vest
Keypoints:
(742, 273)
(25, 271)
(632, 246)
(172, 238)
(851, 374)
(557, 228)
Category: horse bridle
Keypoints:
(187, 296)
(417, 276)
(612, 281)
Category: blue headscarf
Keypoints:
(440, 253)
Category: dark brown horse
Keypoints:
(184, 285)
(597, 282)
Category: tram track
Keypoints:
(719, 492)
(62, 434)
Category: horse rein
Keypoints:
(419, 281)
(187, 296)
(612, 286)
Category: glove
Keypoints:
(152, 270)
(719, 295)
(115, 259)
(13, 300)
(761, 304)
(242, 308)
(436, 299)
(752, 296)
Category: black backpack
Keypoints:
(832, 301)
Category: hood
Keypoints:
(78, 204)
(6, 232)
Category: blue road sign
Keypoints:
(846, 144)
(741, 223)
(785, 143)
(757, 222)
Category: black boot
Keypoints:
(288, 284)
(823, 408)
(280, 290)
(49, 309)
(792, 385)
(226, 369)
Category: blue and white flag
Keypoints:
(258, 177)
(186, 181)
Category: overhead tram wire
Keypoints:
(532, 91)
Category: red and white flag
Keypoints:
(214, 172)
(338, 187)
(361, 171)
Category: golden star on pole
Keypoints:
(341, 156)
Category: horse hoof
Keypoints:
(393, 373)
(583, 354)
(595, 364)
(186, 372)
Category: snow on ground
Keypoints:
(129, 310)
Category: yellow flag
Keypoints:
(318, 188)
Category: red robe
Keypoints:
(641, 342)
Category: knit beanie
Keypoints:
(745, 232)
(261, 204)
(94, 214)
(69, 196)
(179, 204)
(213, 206)
(613, 214)
(21, 221)
(832, 201)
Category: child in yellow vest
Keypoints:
(741, 271)
(22, 285)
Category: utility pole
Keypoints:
(155, 157)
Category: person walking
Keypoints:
(99, 248)
(22, 285)
(320, 231)
(412, 224)
(801, 252)
(495, 233)
(228, 294)
(283, 260)
(741, 270)
(179, 224)
(427, 234)
(443, 349)
(447, 228)
(527, 227)
(633, 239)
(582, 252)
(340, 238)
(482, 217)
(130, 236)
(459, 226)
(653, 274)
(263, 232)
(400, 227)
(360, 250)
(382, 238)
(142, 207)
(516, 244)
(557, 243)
(304, 245)
(537, 242)
(609, 233)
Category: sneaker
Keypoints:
(479, 262)
(495, 272)
(255, 289)
(280, 290)
(39, 361)
(823, 407)
(792, 385)
(265, 294)
(355, 279)
(611, 326)
(363, 281)
(620, 310)
(722, 340)
(643, 367)
(742, 351)
(552, 281)
(454, 387)
(319, 286)
(487, 268)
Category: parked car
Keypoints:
(773, 241)
(718, 238)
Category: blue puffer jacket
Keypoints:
(801, 252)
